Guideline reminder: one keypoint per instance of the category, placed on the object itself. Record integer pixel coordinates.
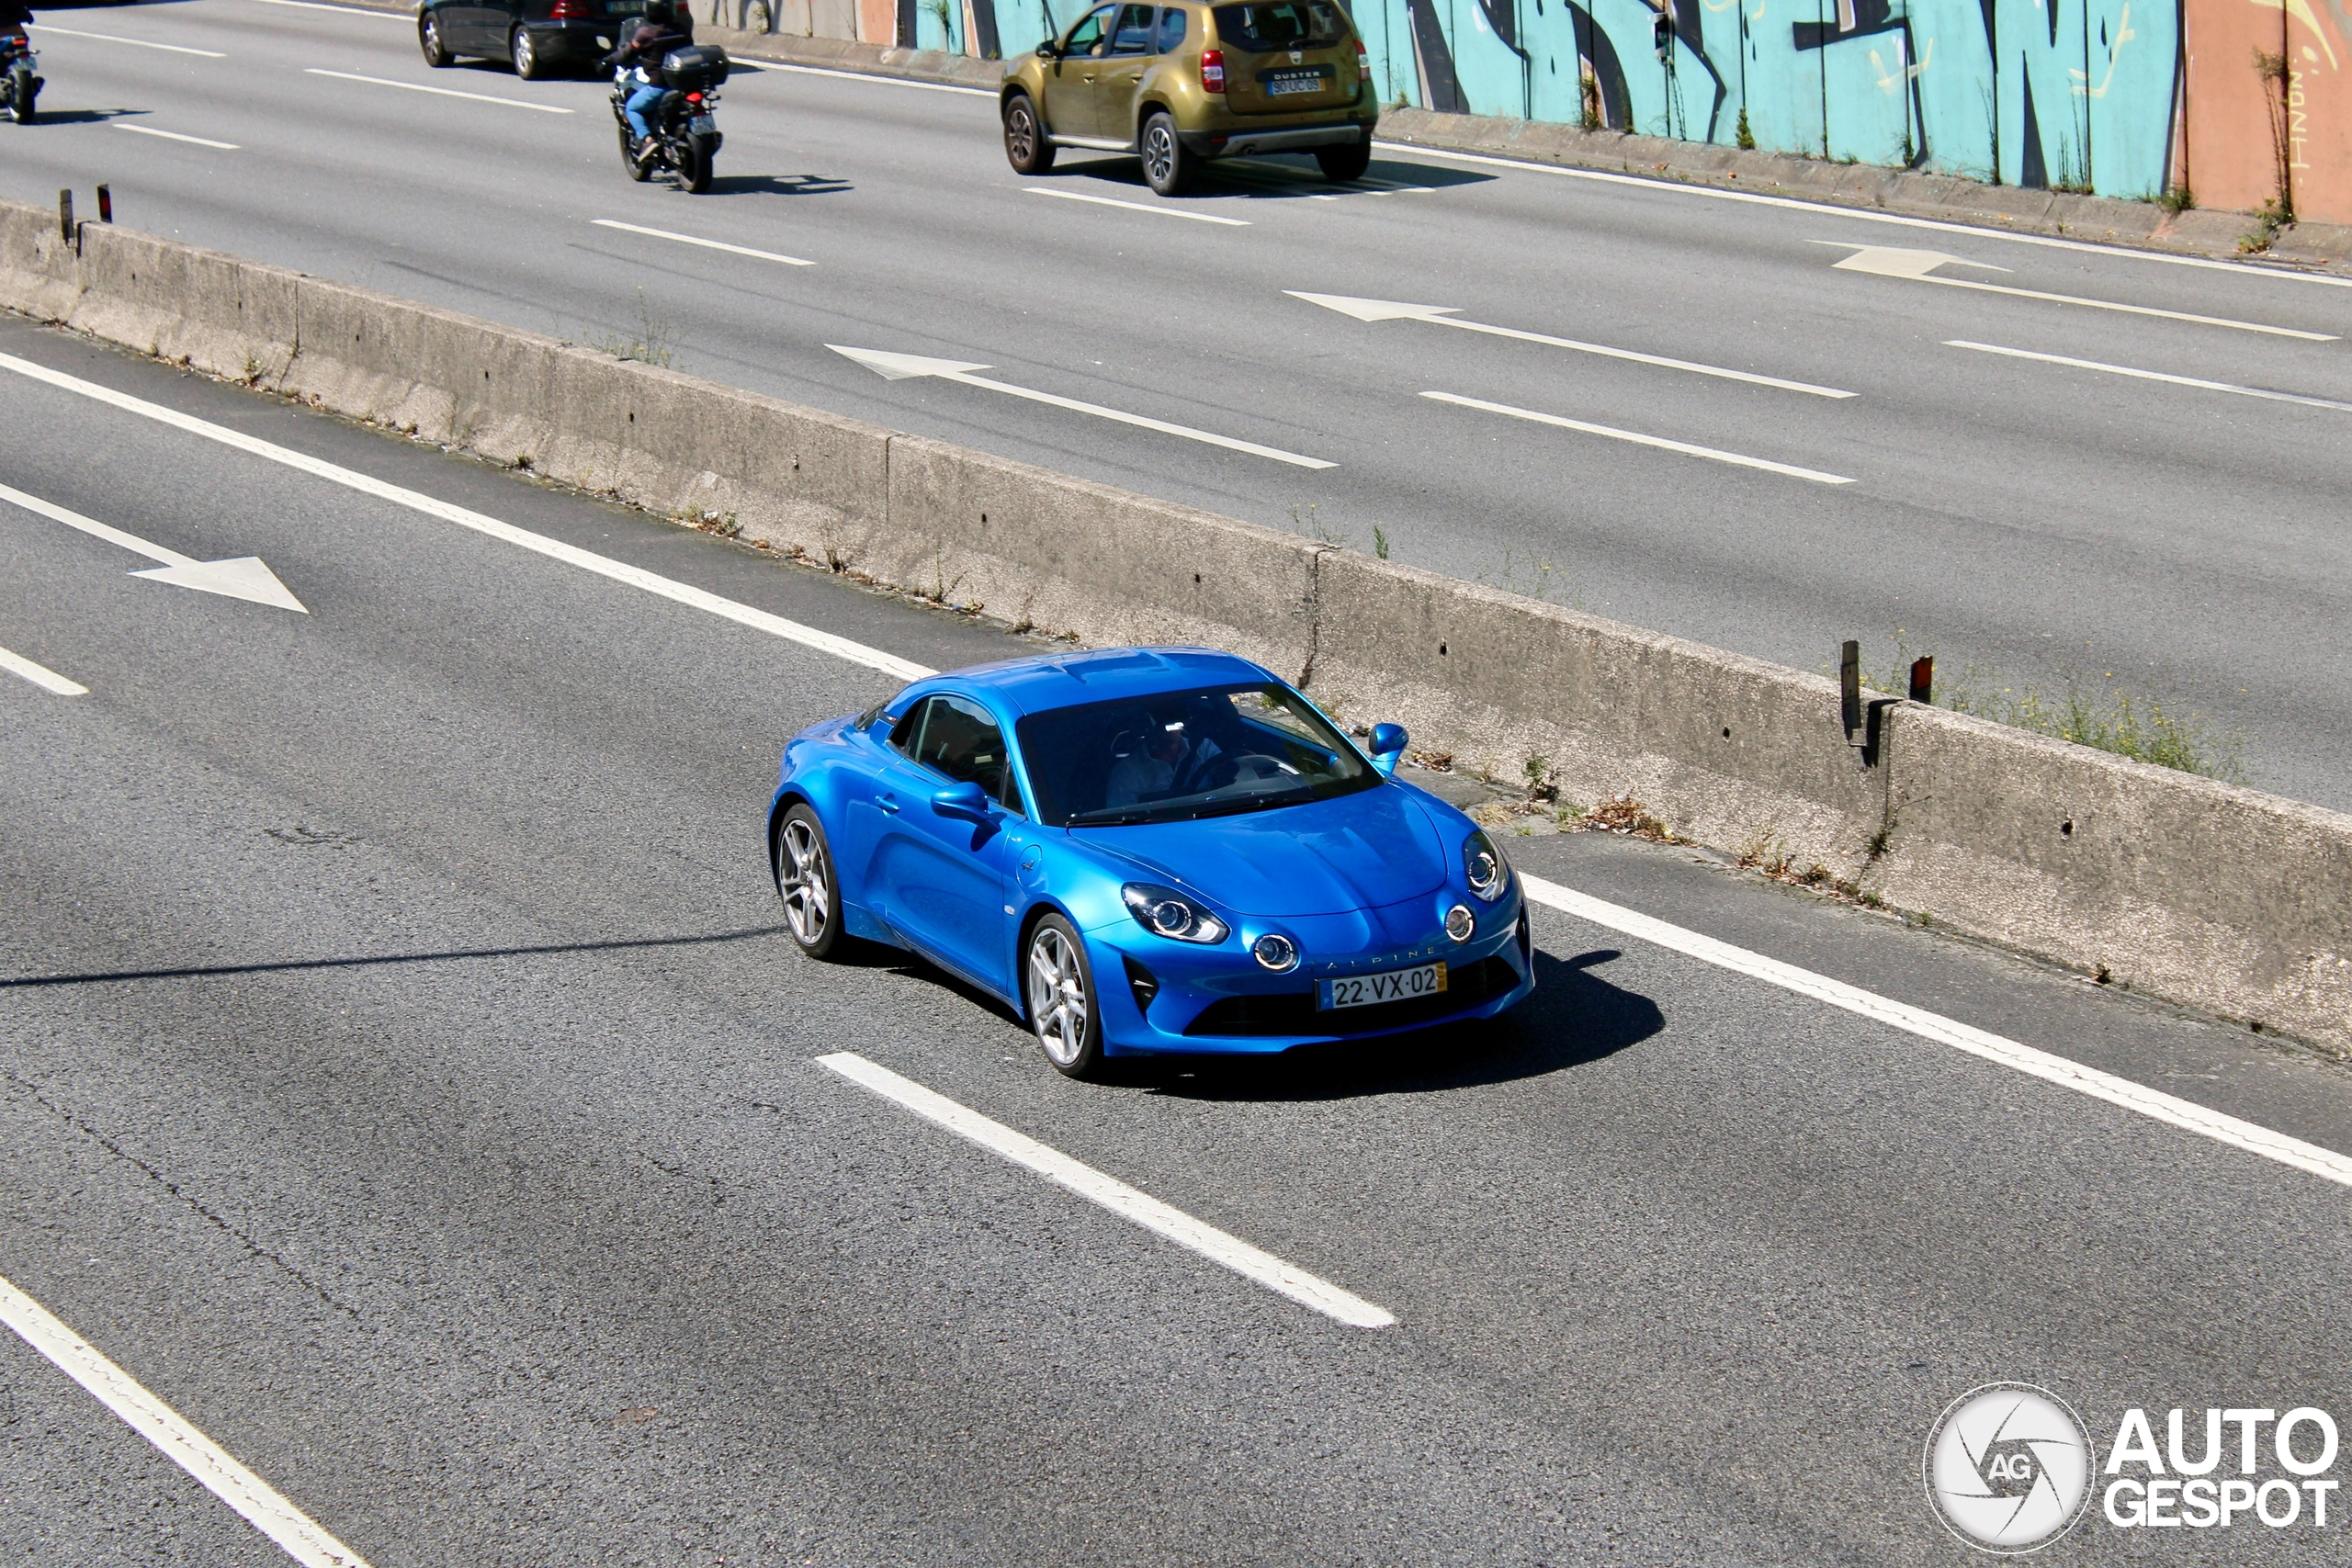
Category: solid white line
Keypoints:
(134, 42)
(1660, 441)
(696, 240)
(1831, 209)
(1748, 376)
(45, 678)
(1140, 207)
(438, 92)
(2115, 305)
(556, 549)
(176, 136)
(346, 10)
(866, 76)
(303, 1538)
(2152, 374)
(1230, 443)
(1153, 1216)
(111, 534)
(2189, 1117)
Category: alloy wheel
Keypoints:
(526, 54)
(808, 898)
(1057, 1001)
(1159, 152)
(1021, 133)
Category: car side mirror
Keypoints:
(966, 799)
(1387, 747)
(1046, 51)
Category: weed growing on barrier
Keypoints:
(2177, 199)
(1745, 137)
(1536, 577)
(1379, 542)
(653, 342)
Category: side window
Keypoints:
(959, 739)
(1170, 36)
(1134, 34)
(1087, 36)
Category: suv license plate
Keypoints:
(1365, 990)
(1306, 81)
(702, 125)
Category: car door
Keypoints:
(1123, 65)
(1072, 77)
(941, 876)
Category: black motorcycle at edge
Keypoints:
(19, 86)
(685, 132)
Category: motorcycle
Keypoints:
(19, 86)
(684, 132)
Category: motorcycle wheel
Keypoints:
(637, 171)
(20, 96)
(696, 175)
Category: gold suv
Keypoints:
(1184, 83)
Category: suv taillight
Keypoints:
(1363, 62)
(1212, 71)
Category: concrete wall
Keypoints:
(2204, 893)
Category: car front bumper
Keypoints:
(1218, 1000)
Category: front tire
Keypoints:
(1345, 164)
(638, 172)
(1026, 147)
(1059, 985)
(428, 39)
(1167, 167)
(526, 56)
(804, 879)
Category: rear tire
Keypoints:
(1058, 986)
(696, 175)
(804, 878)
(1167, 167)
(526, 55)
(1343, 164)
(428, 39)
(637, 171)
(1026, 147)
(21, 93)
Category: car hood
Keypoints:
(1357, 851)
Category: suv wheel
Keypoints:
(1168, 168)
(1347, 163)
(1026, 147)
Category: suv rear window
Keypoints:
(1288, 24)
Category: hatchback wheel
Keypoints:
(1026, 147)
(1061, 999)
(1168, 168)
(526, 55)
(1347, 163)
(428, 39)
(804, 876)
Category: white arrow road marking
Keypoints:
(1140, 207)
(1443, 316)
(2152, 374)
(243, 577)
(696, 239)
(1660, 441)
(301, 1536)
(1153, 1216)
(1888, 261)
(555, 549)
(134, 42)
(2186, 1115)
(439, 92)
(910, 366)
(45, 678)
(176, 136)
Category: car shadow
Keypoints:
(1275, 176)
(1573, 1018)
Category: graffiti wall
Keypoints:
(2239, 102)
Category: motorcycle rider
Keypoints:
(661, 30)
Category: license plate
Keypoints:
(1306, 81)
(702, 124)
(1365, 990)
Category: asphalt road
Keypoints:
(2033, 523)
(406, 1077)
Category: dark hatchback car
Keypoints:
(539, 38)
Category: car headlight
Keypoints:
(1484, 866)
(1163, 911)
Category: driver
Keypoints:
(1168, 762)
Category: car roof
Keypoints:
(1065, 680)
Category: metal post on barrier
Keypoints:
(65, 215)
(1849, 691)
(106, 205)
(1923, 678)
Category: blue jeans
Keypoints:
(638, 102)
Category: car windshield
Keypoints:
(1188, 754)
(1291, 24)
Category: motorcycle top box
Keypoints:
(696, 69)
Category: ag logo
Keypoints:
(2009, 1468)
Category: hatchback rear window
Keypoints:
(1288, 24)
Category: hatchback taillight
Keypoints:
(569, 11)
(1364, 62)
(1212, 71)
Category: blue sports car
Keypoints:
(1146, 849)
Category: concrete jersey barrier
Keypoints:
(2202, 893)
